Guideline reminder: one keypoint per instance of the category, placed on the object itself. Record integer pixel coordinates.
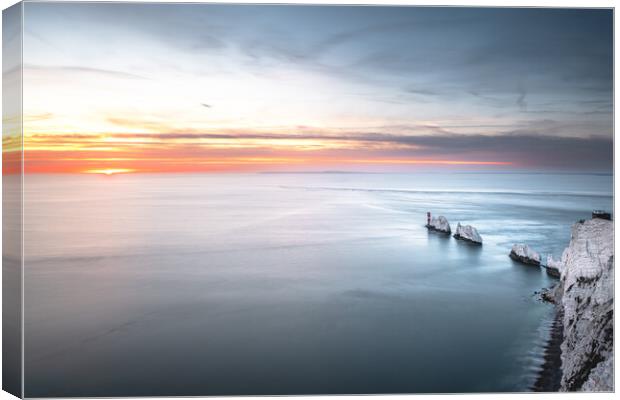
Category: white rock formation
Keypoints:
(523, 253)
(467, 233)
(553, 266)
(439, 224)
(586, 294)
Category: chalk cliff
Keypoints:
(585, 296)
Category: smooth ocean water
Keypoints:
(214, 284)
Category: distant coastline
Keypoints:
(320, 172)
(336, 172)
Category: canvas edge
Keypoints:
(12, 201)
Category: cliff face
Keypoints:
(585, 294)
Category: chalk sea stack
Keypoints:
(553, 267)
(439, 224)
(523, 254)
(467, 233)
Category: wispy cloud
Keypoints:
(68, 69)
(521, 99)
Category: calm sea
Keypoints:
(221, 284)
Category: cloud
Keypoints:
(38, 117)
(421, 92)
(526, 149)
(521, 99)
(83, 70)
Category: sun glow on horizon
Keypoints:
(109, 171)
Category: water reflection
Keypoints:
(268, 284)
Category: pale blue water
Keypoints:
(289, 283)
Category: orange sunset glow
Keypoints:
(322, 99)
(108, 154)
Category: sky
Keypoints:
(240, 88)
